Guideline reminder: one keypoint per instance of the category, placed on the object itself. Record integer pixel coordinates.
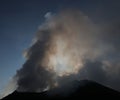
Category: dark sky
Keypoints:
(20, 19)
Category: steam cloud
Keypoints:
(68, 46)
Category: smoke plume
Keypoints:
(68, 46)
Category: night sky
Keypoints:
(20, 20)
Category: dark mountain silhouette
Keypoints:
(73, 90)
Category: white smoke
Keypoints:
(68, 44)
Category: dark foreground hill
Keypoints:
(74, 90)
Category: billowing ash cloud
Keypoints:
(68, 46)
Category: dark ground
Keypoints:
(74, 90)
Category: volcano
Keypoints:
(71, 90)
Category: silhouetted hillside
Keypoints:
(73, 90)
